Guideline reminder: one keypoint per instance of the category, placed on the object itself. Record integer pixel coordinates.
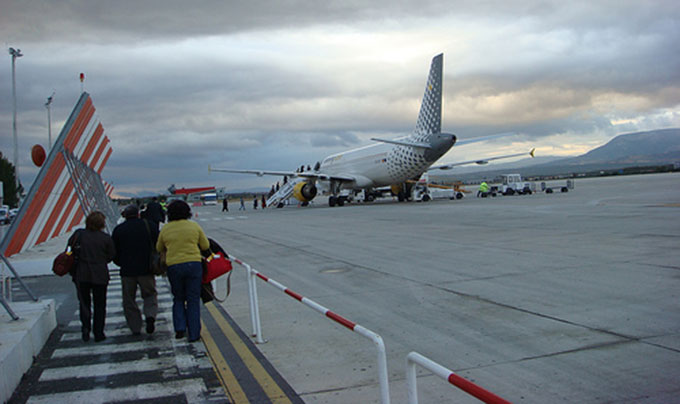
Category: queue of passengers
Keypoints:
(130, 246)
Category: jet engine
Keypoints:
(304, 191)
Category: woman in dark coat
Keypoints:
(92, 273)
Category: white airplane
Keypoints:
(388, 163)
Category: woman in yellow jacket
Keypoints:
(183, 240)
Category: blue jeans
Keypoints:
(185, 283)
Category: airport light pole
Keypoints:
(16, 53)
(49, 122)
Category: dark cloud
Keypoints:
(123, 21)
(275, 85)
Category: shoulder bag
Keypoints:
(67, 260)
(156, 261)
(214, 266)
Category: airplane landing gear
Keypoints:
(336, 200)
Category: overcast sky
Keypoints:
(272, 85)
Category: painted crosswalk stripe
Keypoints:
(125, 368)
(100, 349)
(108, 369)
(120, 318)
(193, 389)
(75, 336)
(111, 321)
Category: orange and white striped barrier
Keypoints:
(52, 205)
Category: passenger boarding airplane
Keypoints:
(388, 163)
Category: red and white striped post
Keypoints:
(467, 386)
(252, 301)
(365, 332)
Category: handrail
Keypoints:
(252, 302)
(7, 307)
(467, 386)
(365, 332)
(18, 278)
(5, 303)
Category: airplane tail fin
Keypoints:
(430, 116)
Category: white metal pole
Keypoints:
(383, 378)
(251, 298)
(16, 53)
(411, 382)
(49, 122)
(49, 129)
(259, 339)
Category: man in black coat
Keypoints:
(134, 239)
(155, 213)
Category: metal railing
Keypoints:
(4, 303)
(365, 332)
(414, 358)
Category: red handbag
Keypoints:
(63, 263)
(215, 266)
(66, 261)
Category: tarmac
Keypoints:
(569, 297)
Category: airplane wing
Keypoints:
(481, 161)
(306, 174)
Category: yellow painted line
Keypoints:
(268, 385)
(229, 382)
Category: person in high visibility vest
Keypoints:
(483, 188)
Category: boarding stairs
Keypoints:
(285, 192)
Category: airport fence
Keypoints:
(414, 358)
(365, 332)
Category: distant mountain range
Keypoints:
(650, 148)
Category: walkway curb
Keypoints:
(246, 375)
(21, 340)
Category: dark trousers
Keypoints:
(147, 286)
(89, 293)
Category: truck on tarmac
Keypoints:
(512, 184)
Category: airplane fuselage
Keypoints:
(384, 164)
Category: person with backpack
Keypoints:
(134, 240)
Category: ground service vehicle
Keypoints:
(549, 188)
(513, 184)
(209, 199)
(425, 192)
